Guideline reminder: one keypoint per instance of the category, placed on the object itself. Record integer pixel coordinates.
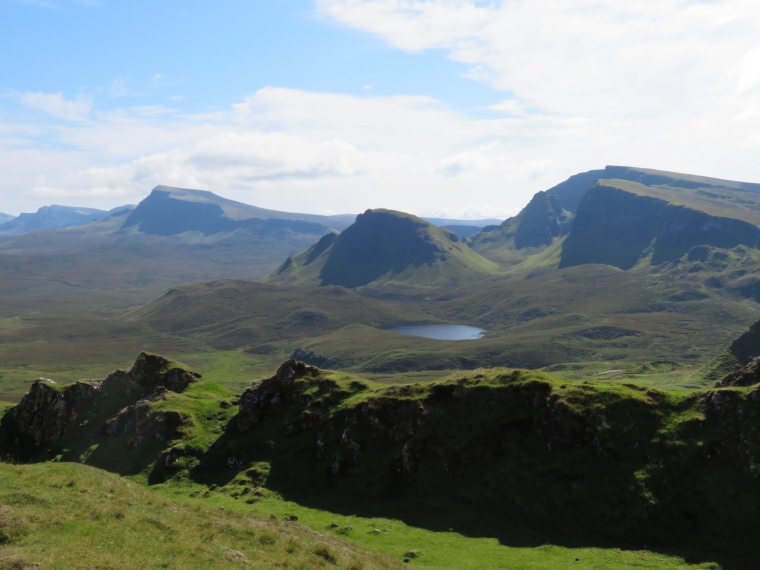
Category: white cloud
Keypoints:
(285, 149)
(56, 105)
(670, 84)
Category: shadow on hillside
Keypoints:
(438, 514)
(467, 521)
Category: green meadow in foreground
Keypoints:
(65, 515)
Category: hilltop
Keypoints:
(385, 247)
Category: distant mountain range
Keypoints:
(173, 236)
(170, 211)
(53, 217)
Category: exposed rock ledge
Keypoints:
(48, 411)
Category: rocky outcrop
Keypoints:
(49, 411)
(268, 396)
(601, 461)
(746, 375)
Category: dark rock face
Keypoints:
(615, 227)
(270, 395)
(746, 375)
(576, 460)
(48, 411)
(541, 221)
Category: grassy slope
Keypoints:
(63, 515)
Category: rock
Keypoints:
(48, 411)
(746, 375)
(266, 396)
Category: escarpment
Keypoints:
(620, 227)
(599, 461)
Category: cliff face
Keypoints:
(380, 241)
(616, 227)
(49, 412)
(542, 220)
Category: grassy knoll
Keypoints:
(64, 515)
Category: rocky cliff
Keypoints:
(542, 220)
(620, 225)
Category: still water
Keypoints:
(441, 332)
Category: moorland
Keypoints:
(606, 418)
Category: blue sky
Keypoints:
(451, 107)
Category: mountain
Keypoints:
(619, 215)
(171, 211)
(622, 223)
(173, 236)
(5, 218)
(53, 217)
(385, 247)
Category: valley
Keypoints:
(620, 312)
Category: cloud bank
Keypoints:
(670, 84)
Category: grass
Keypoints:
(429, 549)
(63, 515)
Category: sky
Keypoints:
(455, 108)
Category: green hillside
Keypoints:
(384, 248)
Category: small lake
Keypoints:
(441, 332)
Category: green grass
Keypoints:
(429, 549)
(62, 515)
